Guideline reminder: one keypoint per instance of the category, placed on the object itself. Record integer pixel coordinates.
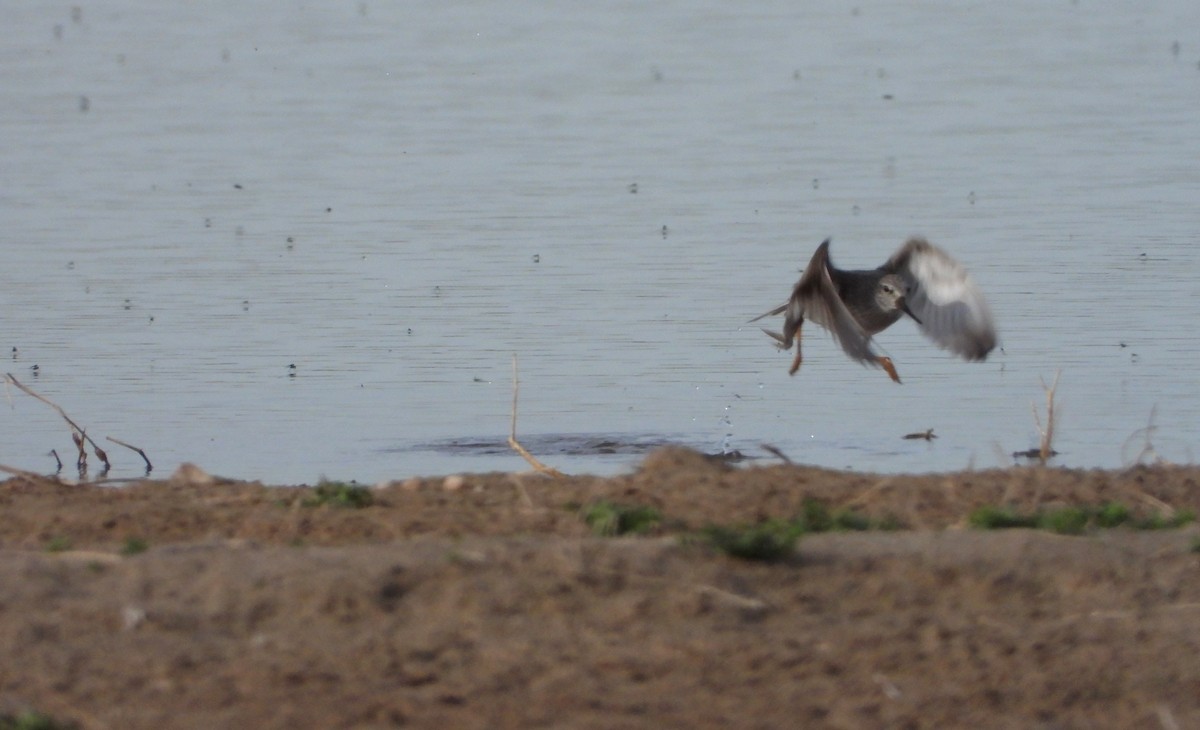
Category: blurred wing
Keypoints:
(816, 297)
(772, 313)
(951, 308)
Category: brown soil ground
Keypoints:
(486, 602)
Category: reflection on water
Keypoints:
(397, 200)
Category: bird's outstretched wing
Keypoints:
(816, 297)
(945, 299)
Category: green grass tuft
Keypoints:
(1065, 521)
(769, 541)
(58, 544)
(1076, 520)
(1112, 514)
(340, 494)
(1159, 522)
(33, 721)
(134, 545)
(609, 519)
(815, 516)
(990, 517)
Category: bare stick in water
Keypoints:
(512, 436)
(777, 452)
(119, 442)
(78, 434)
(1046, 450)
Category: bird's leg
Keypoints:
(886, 364)
(799, 357)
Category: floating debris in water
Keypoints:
(925, 435)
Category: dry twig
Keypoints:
(1148, 454)
(512, 436)
(1047, 433)
(776, 451)
(119, 442)
(78, 434)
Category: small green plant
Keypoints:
(1065, 521)
(1112, 514)
(768, 541)
(990, 517)
(1159, 522)
(340, 494)
(33, 721)
(1195, 546)
(609, 519)
(815, 516)
(134, 545)
(1076, 520)
(58, 544)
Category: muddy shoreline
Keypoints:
(486, 601)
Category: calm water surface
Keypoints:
(397, 198)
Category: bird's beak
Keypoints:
(903, 306)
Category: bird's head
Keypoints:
(890, 295)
